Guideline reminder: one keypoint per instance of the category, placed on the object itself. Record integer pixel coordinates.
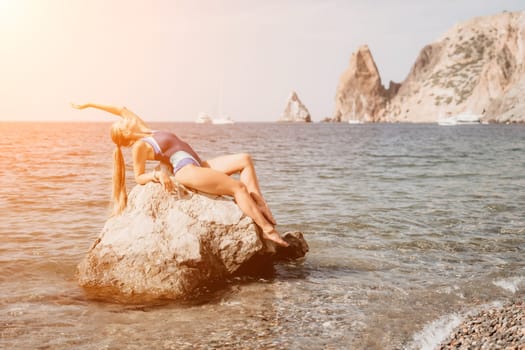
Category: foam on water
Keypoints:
(511, 284)
(438, 331)
(435, 332)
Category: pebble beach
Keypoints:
(494, 328)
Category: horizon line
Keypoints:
(149, 121)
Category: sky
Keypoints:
(171, 60)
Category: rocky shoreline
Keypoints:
(495, 328)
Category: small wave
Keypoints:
(512, 231)
(498, 208)
(438, 331)
(435, 332)
(512, 284)
(79, 153)
(56, 177)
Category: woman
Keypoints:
(211, 176)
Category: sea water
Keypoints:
(410, 227)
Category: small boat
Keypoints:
(353, 119)
(222, 121)
(447, 121)
(465, 118)
(203, 118)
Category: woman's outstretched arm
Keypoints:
(133, 120)
(111, 109)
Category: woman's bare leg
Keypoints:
(242, 163)
(215, 182)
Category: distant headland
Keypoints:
(477, 67)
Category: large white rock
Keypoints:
(165, 247)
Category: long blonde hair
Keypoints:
(120, 136)
(124, 133)
(120, 195)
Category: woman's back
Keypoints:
(169, 143)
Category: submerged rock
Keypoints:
(165, 247)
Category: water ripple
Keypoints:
(404, 222)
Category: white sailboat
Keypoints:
(222, 121)
(354, 119)
(203, 118)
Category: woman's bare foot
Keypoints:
(275, 237)
(263, 207)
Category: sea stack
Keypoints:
(360, 95)
(477, 67)
(295, 111)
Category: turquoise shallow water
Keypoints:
(409, 226)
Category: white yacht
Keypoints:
(447, 121)
(203, 118)
(222, 121)
(468, 118)
(464, 118)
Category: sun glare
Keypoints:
(6, 7)
(10, 12)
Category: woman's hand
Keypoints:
(165, 180)
(86, 105)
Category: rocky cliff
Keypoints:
(477, 67)
(295, 111)
(162, 247)
(360, 94)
